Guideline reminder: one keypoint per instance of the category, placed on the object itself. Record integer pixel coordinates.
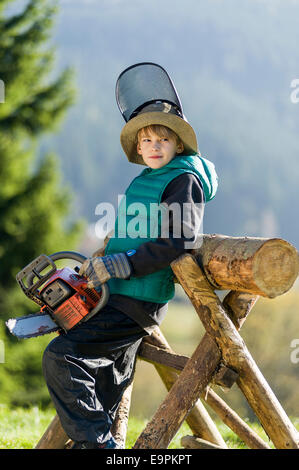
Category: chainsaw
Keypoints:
(62, 294)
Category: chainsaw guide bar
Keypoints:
(31, 326)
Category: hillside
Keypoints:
(233, 67)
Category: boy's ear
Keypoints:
(180, 147)
(138, 149)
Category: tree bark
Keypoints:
(192, 442)
(226, 344)
(266, 267)
(151, 353)
(54, 436)
(233, 421)
(120, 424)
(199, 420)
(194, 379)
(235, 354)
(181, 398)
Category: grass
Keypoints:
(22, 428)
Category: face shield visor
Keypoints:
(142, 85)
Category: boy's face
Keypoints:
(157, 151)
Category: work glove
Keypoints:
(99, 270)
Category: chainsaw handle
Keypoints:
(68, 255)
(80, 258)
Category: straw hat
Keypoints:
(162, 113)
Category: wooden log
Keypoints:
(181, 398)
(157, 355)
(203, 426)
(235, 354)
(228, 416)
(225, 377)
(266, 267)
(192, 382)
(233, 421)
(238, 305)
(54, 436)
(120, 424)
(193, 442)
(199, 420)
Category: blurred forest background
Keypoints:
(233, 65)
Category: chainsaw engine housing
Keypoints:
(67, 298)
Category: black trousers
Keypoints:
(87, 371)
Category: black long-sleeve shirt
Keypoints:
(185, 191)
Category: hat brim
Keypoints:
(182, 128)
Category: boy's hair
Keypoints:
(161, 131)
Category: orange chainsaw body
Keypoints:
(68, 297)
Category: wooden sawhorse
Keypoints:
(248, 267)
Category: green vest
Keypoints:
(139, 221)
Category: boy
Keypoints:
(88, 369)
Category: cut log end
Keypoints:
(275, 267)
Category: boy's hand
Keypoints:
(99, 270)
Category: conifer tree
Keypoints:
(33, 204)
